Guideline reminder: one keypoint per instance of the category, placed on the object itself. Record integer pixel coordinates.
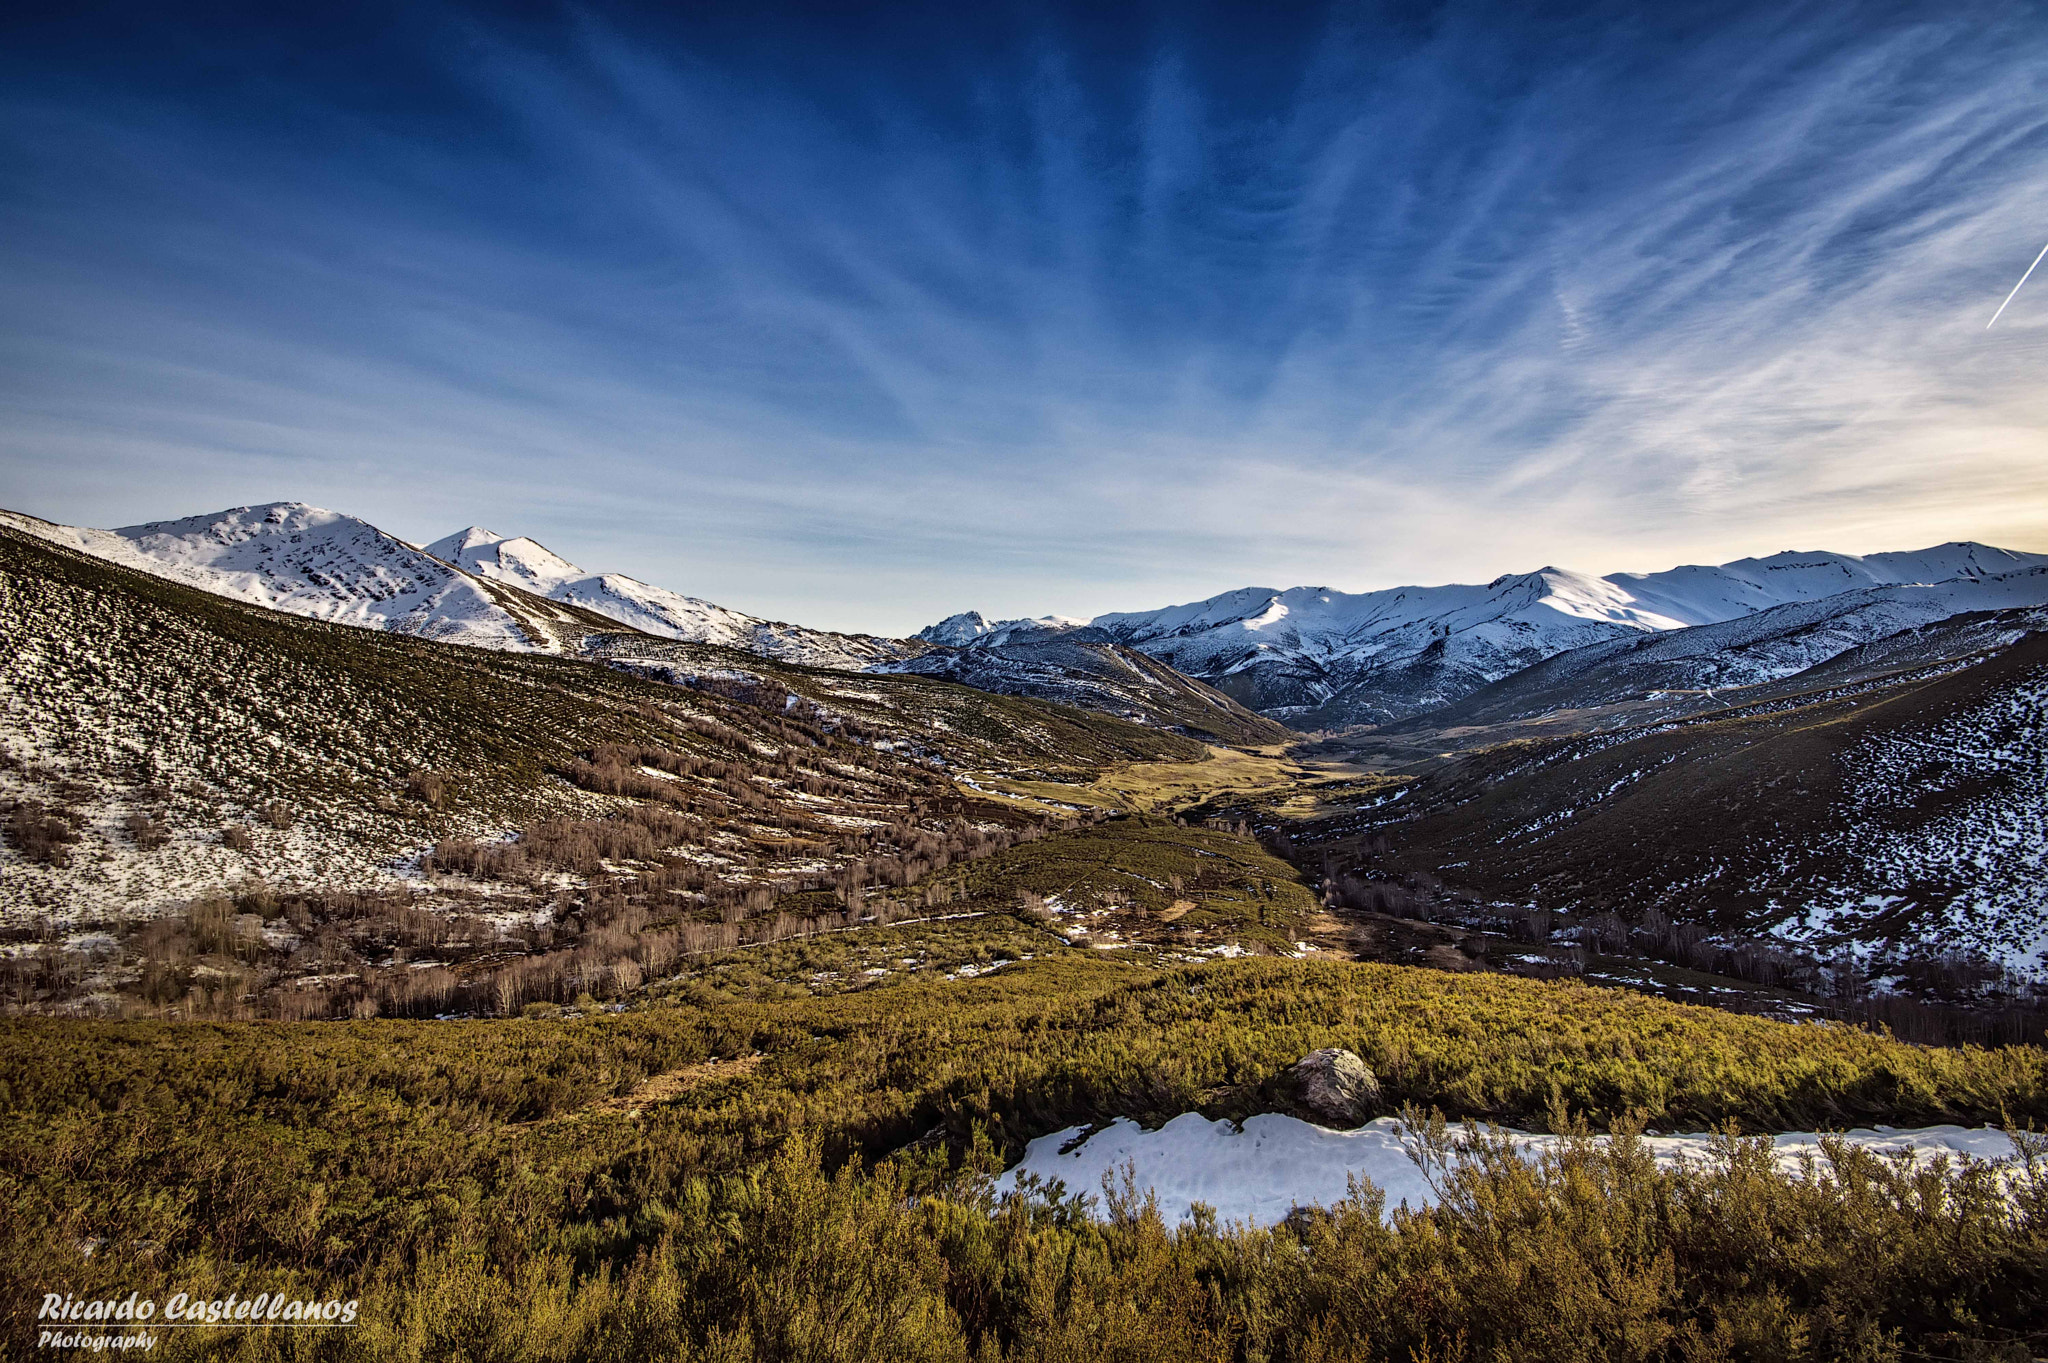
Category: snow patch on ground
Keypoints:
(1258, 1173)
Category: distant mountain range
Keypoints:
(532, 567)
(1227, 667)
(1318, 658)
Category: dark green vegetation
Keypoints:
(1139, 879)
(598, 1188)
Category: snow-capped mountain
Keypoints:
(969, 627)
(1713, 663)
(306, 561)
(1696, 595)
(532, 567)
(473, 587)
(956, 630)
(1313, 656)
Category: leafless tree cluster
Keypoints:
(146, 831)
(42, 833)
(428, 787)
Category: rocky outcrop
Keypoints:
(1336, 1087)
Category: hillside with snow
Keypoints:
(160, 743)
(1063, 661)
(1855, 632)
(1315, 657)
(1902, 818)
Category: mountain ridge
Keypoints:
(1080, 665)
(1315, 657)
(531, 566)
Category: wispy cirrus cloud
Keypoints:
(1060, 321)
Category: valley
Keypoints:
(1037, 683)
(467, 956)
(230, 799)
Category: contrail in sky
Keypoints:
(2015, 289)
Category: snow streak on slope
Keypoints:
(532, 567)
(1983, 853)
(1258, 1173)
(305, 561)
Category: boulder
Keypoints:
(1336, 1087)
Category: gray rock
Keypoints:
(1336, 1087)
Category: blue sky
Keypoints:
(861, 316)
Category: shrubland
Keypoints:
(595, 1186)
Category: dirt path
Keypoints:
(666, 1088)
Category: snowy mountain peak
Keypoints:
(531, 566)
(454, 546)
(304, 560)
(520, 562)
(956, 630)
(1343, 657)
(241, 523)
(974, 628)
(1583, 597)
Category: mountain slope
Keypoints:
(471, 588)
(1083, 666)
(531, 567)
(513, 594)
(1698, 668)
(1900, 818)
(141, 719)
(305, 561)
(1316, 657)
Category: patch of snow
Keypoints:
(1256, 1174)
